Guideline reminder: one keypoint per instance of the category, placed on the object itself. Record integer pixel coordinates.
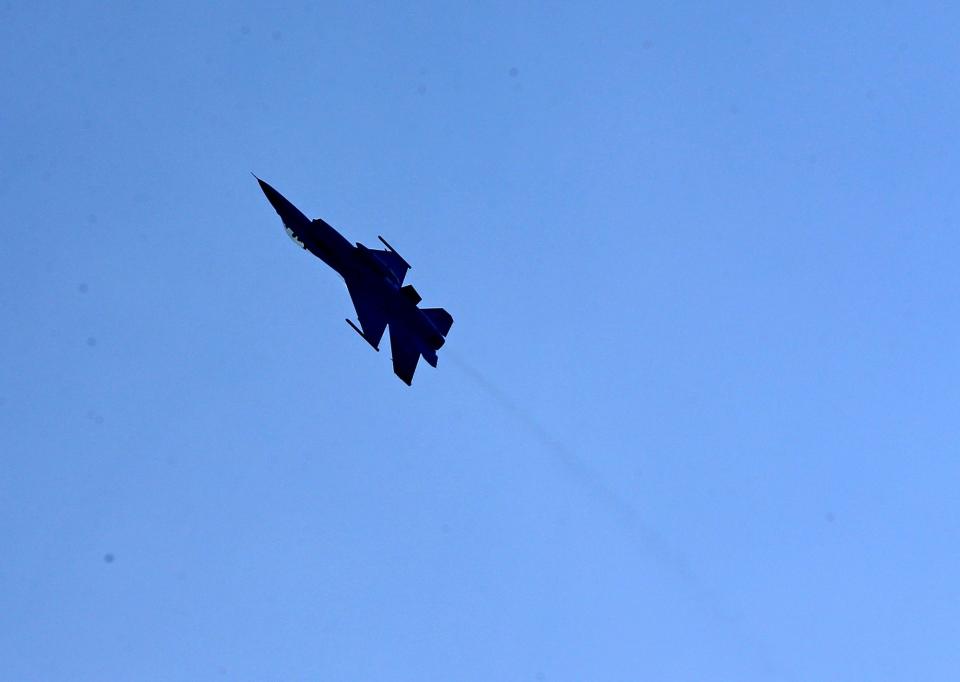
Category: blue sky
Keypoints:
(696, 417)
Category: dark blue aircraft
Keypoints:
(374, 278)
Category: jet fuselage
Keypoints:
(377, 274)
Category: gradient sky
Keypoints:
(697, 415)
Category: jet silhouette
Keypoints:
(374, 279)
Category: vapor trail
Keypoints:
(648, 539)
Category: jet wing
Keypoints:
(392, 262)
(373, 321)
(406, 355)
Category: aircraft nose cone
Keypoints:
(289, 214)
(269, 191)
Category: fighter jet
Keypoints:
(374, 279)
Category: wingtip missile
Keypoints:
(362, 335)
(394, 252)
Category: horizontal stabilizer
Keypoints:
(439, 318)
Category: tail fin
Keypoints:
(440, 319)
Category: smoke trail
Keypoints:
(648, 539)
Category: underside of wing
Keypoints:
(392, 262)
(373, 321)
(405, 354)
